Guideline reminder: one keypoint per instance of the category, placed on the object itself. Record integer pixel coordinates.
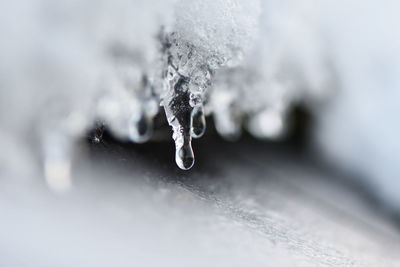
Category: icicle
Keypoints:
(198, 122)
(179, 115)
(185, 81)
(226, 117)
(140, 129)
(141, 124)
(130, 103)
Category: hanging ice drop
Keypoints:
(179, 115)
(198, 122)
(140, 128)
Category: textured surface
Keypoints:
(243, 204)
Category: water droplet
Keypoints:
(198, 122)
(140, 129)
(184, 156)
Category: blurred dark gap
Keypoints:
(157, 156)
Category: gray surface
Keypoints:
(243, 204)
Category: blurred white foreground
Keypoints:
(241, 207)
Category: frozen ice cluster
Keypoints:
(70, 65)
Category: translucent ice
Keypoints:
(192, 51)
(128, 102)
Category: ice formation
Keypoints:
(129, 100)
(81, 61)
(69, 65)
(192, 52)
